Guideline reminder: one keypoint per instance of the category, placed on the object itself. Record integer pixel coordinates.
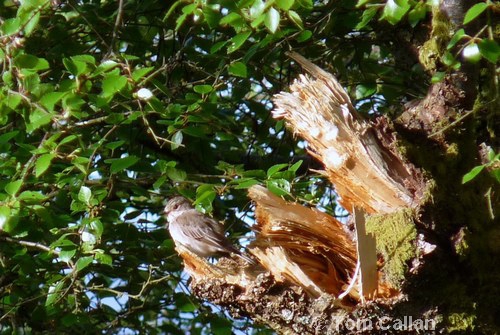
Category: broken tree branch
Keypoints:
(365, 174)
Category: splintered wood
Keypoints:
(303, 245)
(364, 173)
(228, 271)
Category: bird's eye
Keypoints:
(176, 206)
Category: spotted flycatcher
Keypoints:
(198, 233)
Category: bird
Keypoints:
(197, 232)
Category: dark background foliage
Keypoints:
(107, 108)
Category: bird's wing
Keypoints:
(210, 231)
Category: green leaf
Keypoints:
(180, 21)
(474, 12)
(139, 73)
(490, 50)
(272, 20)
(295, 18)
(13, 100)
(284, 4)
(113, 84)
(259, 174)
(160, 181)
(43, 163)
(438, 77)
(275, 168)
(230, 18)
(217, 46)
(63, 242)
(220, 326)
(246, 183)
(448, 59)
(31, 197)
(366, 17)
(189, 9)
(67, 140)
(296, 166)
(55, 292)
(176, 175)
(105, 67)
(97, 227)
(176, 140)
(72, 102)
(456, 37)
(89, 59)
(115, 145)
(417, 14)
(472, 174)
(30, 26)
(11, 26)
(4, 138)
(212, 17)
(121, 164)
(50, 99)
(203, 89)
(257, 9)
(306, 4)
(103, 258)
(394, 10)
(495, 173)
(38, 118)
(365, 90)
(83, 262)
(304, 36)
(13, 187)
(205, 195)
(85, 194)
(280, 187)
(65, 255)
(75, 67)
(237, 41)
(258, 21)
(238, 69)
(7, 74)
(31, 62)
(491, 155)
(4, 217)
(184, 303)
(280, 124)
(31, 81)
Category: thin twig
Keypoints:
(119, 17)
(137, 296)
(452, 124)
(29, 163)
(76, 9)
(151, 132)
(101, 141)
(91, 122)
(29, 244)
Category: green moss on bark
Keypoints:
(433, 49)
(395, 234)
